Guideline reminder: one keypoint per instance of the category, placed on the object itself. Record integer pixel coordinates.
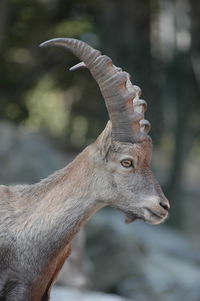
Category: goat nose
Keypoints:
(165, 205)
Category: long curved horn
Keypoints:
(125, 108)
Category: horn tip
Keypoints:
(51, 42)
(78, 66)
(44, 44)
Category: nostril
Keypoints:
(164, 205)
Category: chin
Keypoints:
(155, 222)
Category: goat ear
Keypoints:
(104, 140)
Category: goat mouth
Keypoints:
(157, 215)
(131, 217)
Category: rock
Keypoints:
(27, 157)
(141, 261)
(63, 294)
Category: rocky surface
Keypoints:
(26, 157)
(64, 294)
(141, 261)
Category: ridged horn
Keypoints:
(125, 108)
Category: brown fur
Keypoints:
(38, 222)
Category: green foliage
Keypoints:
(46, 107)
(73, 28)
(29, 94)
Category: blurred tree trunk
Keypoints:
(179, 85)
(3, 20)
(183, 94)
(195, 13)
(126, 34)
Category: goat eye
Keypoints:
(127, 163)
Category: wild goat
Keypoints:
(38, 222)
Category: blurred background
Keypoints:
(48, 115)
